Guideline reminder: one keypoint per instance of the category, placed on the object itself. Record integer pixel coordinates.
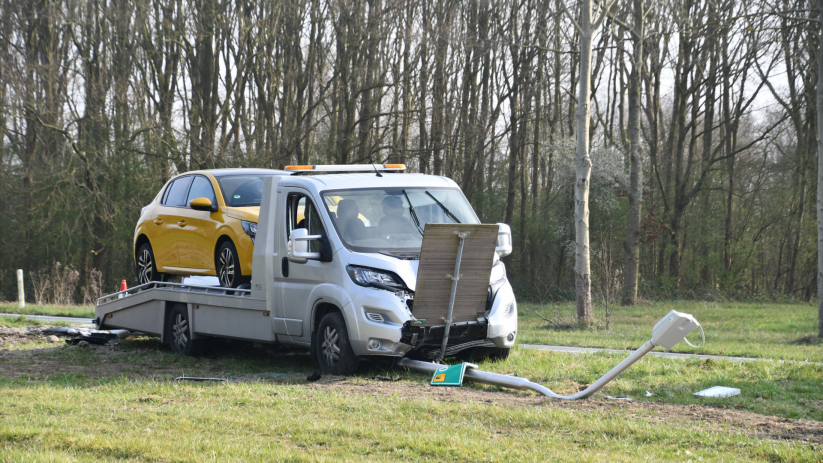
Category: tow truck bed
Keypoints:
(213, 311)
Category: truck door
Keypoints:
(296, 281)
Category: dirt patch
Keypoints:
(46, 362)
(102, 362)
(10, 336)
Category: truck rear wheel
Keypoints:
(334, 352)
(179, 327)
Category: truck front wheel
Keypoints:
(334, 352)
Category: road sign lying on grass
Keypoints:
(450, 375)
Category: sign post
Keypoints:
(21, 296)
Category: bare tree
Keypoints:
(582, 159)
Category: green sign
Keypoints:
(450, 375)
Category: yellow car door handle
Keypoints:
(182, 223)
(157, 221)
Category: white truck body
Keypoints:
(287, 299)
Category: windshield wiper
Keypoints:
(446, 210)
(413, 214)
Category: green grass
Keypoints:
(135, 412)
(126, 420)
(785, 389)
(82, 311)
(777, 331)
(17, 322)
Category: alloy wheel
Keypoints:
(331, 346)
(180, 330)
(145, 267)
(226, 268)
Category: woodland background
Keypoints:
(101, 101)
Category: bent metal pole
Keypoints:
(461, 236)
(671, 329)
(513, 382)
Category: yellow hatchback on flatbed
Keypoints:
(201, 222)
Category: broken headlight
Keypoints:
(365, 276)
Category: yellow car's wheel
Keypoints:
(146, 265)
(228, 266)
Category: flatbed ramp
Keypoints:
(212, 311)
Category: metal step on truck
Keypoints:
(350, 262)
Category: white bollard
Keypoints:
(21, 296)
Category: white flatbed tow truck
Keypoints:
(333, 274)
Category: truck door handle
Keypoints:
(284, 267)
(182, 223)
(157, 221)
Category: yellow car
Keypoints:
(201, 223)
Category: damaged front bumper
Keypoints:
(497, 330)
(386, 327)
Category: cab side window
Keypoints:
(201, 188)
(176, 196)
(302, 213)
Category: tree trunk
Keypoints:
(583, 170)
(819, 107)
(729, 144)
(631, 246)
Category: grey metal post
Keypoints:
(21, 296)
(512, 382)
(455, 278)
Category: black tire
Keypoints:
(227, 266)
(333, 348)
(500, 354)
(179, 331)
(146, 266)
(479, 353)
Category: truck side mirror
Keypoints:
(504, 240)
(299, 246)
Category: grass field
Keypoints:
(84, 311)
(121, 403)
(777, 331)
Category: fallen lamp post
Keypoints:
(670, 330)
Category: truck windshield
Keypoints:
(393, 219)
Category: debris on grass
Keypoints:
(200, 379)
(718, 391)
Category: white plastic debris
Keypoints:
(718, 391)
(649, 394)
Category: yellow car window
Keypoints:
(201, 188)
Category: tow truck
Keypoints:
(340, 255)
